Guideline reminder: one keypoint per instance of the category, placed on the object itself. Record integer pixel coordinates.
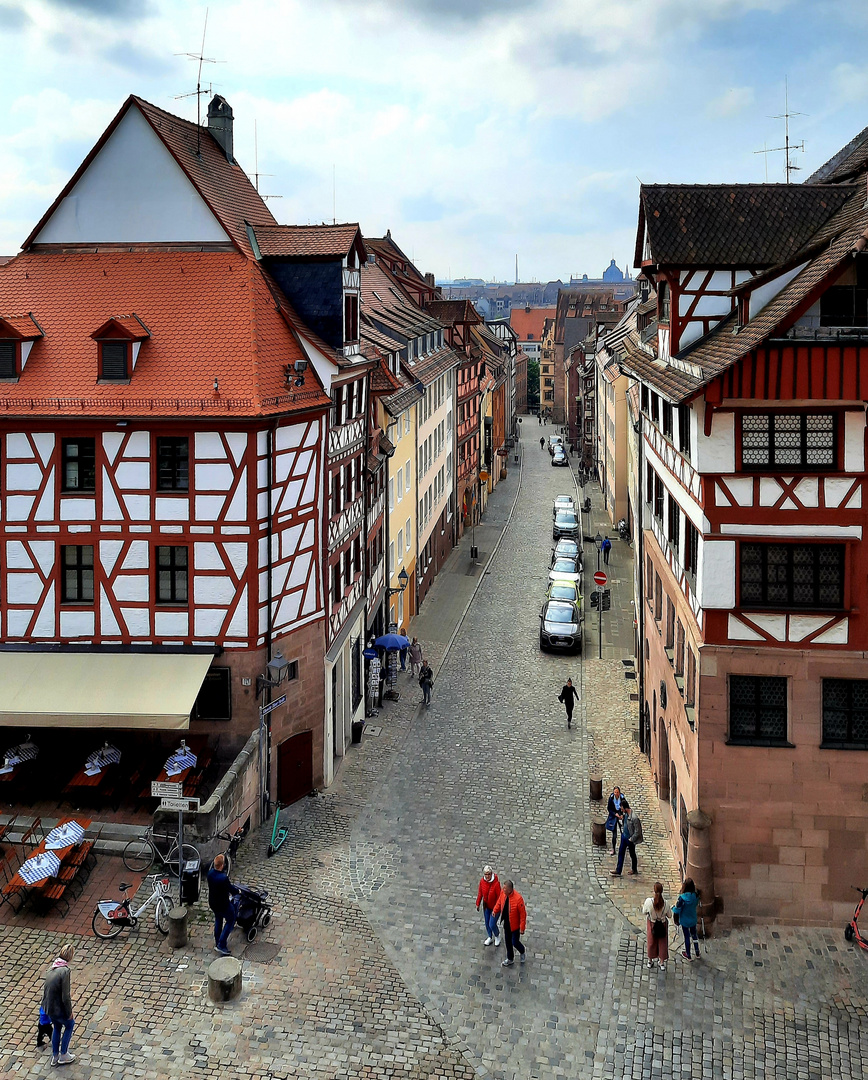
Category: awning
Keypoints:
(100, 689)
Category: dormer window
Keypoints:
(17, 335)
(114, 360)
(351, 318)
(9, 358)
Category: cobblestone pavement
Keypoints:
(381, 970)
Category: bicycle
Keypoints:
(110, 917)
(851, 931)
(234, 839)
(141, 853)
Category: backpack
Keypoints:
(637, 836)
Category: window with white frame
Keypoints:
(392, 493)
(400, 484)
(407, 475)
(407, 534)
(391, 556)
(407, 422)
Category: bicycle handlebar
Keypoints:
(864, 892)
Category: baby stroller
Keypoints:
(254, 910)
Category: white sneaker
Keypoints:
(54, 1059)
(496, 942)
(651, 963)
(66, 1059)
(661, 964)
(522, 957)
(487, 941)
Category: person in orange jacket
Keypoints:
(513, 914)
(487, 895)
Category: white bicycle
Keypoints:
(110, 917)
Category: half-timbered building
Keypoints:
(163, 436)
(751, 469)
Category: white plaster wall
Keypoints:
(133, 192)
(854, 442)
(715, 453)
(76, 624)
(715, 580)
(764, 295)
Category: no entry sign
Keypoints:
(600, 578)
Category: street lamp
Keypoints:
(598, 544)
(403, 579)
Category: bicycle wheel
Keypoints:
(139, 855)
(190, 852)
(103, 927)
(162, 915)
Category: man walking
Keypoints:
(606, 548)
(57, 1006)
(403, 652)
(628, 827)
(220, 893)
(569, 696)
(426, 681)
(513, 914)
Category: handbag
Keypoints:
(659, 928)
(676, 916)
(611, 822)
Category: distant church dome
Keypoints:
(612, 273)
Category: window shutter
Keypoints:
(114, 360)
(8, 357)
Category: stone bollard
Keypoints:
(178, 927)
(224, 979)
(699, 865)
(598, 833)
(596, 785)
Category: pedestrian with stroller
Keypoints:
(513, 914)
(685, 914)
(57, 1006)
(656, 928)
(221, 894)
(606, 548)
(628, 843)
(613, 809)
(488, 894)
(414, 654)
(426, 681)
(403, 652)
(568, 697)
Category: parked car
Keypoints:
(560, 626)
(555, 440)
(561, 589)
(566, 570)
(565, 524)
(560, 458)
(567, 547)
(563, 502)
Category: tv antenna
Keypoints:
(198, 92)
(786, 115)
(256, 172)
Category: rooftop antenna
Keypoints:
(789, 167)
(198, 92)
(256, 172)
(516, 269)
(334, 196)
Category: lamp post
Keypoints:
(598, 544)
(275, 671)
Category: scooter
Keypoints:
(278, 834)
(851, 930)
(623, 531)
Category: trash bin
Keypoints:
(191, 881)
(357, 730)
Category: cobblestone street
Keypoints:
(381, 970)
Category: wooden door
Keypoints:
(295, 768)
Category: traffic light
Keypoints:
(607, 599)
(595, 599)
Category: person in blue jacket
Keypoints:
(687, 906)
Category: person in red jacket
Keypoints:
(513, 914)
(488, 895)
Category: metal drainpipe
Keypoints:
(266, 780)
(640, 599)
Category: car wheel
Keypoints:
(542, 644)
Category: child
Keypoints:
(43, 1030)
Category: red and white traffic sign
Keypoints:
(600, 578)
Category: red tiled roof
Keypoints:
(223, 185)
(298, 241)
(529, 321)
(22, 326)
(450, 312)
(130, 326)
(211, 315)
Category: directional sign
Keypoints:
(160, 789)
(179, 804)
(600, 578)
(266, 709)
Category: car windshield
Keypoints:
(560, 613)
(566, 518)
(565, 566)
(563, 592)
(567, 547)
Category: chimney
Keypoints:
(429, 280)
(220, 124)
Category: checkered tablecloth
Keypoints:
(99, 759)
(180, 761)
(39, 867)
(15, 755)
(63, 836)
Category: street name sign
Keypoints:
(160, 789)
(179, 804)
(266, 709)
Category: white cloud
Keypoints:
(731, 103)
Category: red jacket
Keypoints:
(488, 892)
(517, 910)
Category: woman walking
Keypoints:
(57, 1006)
(415, 655)
(656, 928)
(488, 894)
(687, 906)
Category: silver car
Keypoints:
(565, 525)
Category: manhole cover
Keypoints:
(261, 952)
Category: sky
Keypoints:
(476, 130)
